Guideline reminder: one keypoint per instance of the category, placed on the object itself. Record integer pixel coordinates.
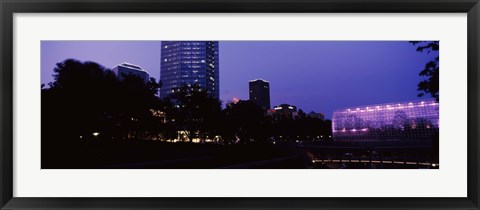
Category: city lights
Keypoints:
(314, 114)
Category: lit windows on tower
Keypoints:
(192, 62)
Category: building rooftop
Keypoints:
(131, 66)
(259, 80)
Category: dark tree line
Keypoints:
(430, 85)
(86, 98)
(193, 112)
(87, 101)
(245, 122)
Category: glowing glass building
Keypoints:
(391, 121)
(187, 63)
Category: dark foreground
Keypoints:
(137, 154)
(162, 155)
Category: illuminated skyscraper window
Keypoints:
(188, 63)
(391, 121)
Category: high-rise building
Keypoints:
(260, 92)
(125, 69)
(188, 63)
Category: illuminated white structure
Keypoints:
(404, 120)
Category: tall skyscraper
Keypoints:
(125, 69)
(189, 63)
(260, 92)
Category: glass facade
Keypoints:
(391, 121)
(187, 63)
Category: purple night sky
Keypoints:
(319, 76)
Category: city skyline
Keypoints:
(331, 74)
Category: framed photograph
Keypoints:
(239, 105)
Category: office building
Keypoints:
(260, 92)
(185, 63)
(284, 111)
(124, 69)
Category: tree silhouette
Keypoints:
(135, 99)
(79, 100)
(430, 85)
(245, 122)
(87, 98)
(195, 112)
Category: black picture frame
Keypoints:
(10, 7)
